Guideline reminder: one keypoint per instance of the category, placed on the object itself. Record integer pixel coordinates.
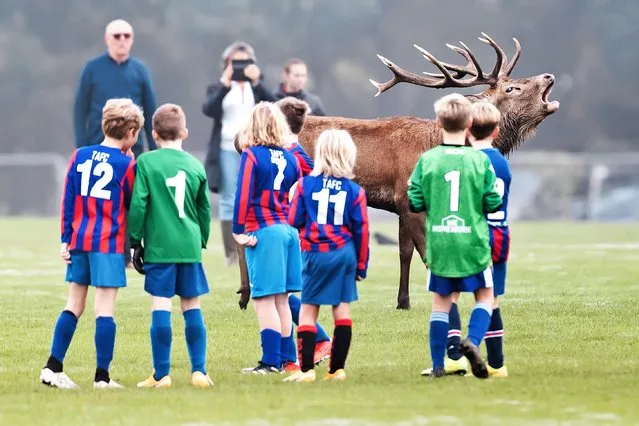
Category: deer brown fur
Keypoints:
(388, 148)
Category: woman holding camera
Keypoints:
(229, 103)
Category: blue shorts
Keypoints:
(499, 278)
(97, 269)
(329, 278)
(168, 279)
(445, 286)
(275, 263)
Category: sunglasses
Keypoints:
(118, 36)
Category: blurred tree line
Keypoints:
(588, 44)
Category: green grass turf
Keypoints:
(571, 322)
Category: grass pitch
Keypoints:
(570, 312)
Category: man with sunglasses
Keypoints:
(114, 74)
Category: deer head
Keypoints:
(522, 102)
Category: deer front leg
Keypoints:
(244, 290)
(406, 247)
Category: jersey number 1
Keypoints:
(453, 178)
(179, 183)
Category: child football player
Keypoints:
(169, 225)
(97, 191)
(295, 111)
(454, 185)
(330, 211)
(484, 130)
(260, 223)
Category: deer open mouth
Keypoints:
(551, 106)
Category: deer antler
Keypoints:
(446, 79)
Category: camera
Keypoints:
(238, 69)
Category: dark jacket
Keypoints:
(103, 78)
(212, 107)
(313, 101)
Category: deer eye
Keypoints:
(511, 88)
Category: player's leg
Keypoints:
(438, 333)
(191, 284)
(453, 346)
(108, 273)
(77, 272)
(479, 321)
(292, 261)
(105, 329)
(266, 263)
(495, 335)
(306, 336)
(342, 335)
(160, 282)
(323, 342)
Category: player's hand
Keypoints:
(129, 153)
(64, 253)
(226, 75)
(253, 72)
(138, 258)
(245, 240)
(358, 278)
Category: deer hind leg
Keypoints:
(244, 291)
(406, 248)
(418, 233)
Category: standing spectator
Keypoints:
(114, 74)
(230, 103)
(294, 83)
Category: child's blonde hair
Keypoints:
(119, 116)
(169, 122)
(485, 117)
(266, 126)
(335, 154)
(453, 112)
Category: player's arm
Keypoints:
(149, 104)
(137, 209)
(297, 212)
(492, 199)
(359, 215)
(127, 183)
(306, 164)
(244, 192)
(204, 210)
(81, 103)
(416, 200)
(68, 203)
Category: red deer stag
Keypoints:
(388, 148)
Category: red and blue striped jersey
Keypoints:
(97, 192)
(330, 212)
(498, 221)
(265, 177)
(306, 164)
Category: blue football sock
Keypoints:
(438, 334)
(62, 335)
(494, 340)
(161, 337)
(295, 304)
(288, 349)
(271, 343)
(479, 322)
(454, 333)
(104, 341)
(195, 334)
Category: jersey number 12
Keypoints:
(179, 183)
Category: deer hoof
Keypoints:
(403, 304)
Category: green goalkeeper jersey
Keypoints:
(454, 185)
(170, 208)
